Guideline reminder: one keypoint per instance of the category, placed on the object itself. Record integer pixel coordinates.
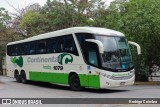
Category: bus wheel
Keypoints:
(17, 76)
(23, 77)
(74, 83)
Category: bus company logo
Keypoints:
(17, 61)
(65, 59)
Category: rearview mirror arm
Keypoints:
(99, 43)
(137, 45)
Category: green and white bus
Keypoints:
(78, 56)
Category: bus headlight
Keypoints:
(109, 76)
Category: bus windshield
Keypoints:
(116, 54)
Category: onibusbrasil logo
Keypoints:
(17, 60)
(65, 59)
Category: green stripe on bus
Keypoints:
(94, 81)
(62, 78)
(90, 80)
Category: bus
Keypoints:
(80, 57)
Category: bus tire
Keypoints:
(23, 77)
(17, 76)
(74, 83)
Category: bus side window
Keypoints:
(9, 50)
(26, 49)
(52, 46)
(21, 49)
(42, 46)
(60, 44)
(15, 50)
(82, 37)
(70, 45)
(32, 48)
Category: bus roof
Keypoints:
(93, 30)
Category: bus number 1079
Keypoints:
(57, 67)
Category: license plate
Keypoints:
(122, 83)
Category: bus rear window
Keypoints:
(9, 51)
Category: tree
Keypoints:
(33, 22)
(139, 20)
(7, 34)
(62, 14)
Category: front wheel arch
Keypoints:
(74, 82)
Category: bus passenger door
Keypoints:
(92, 58)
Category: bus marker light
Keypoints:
(108, 83)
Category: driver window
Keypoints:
(90, 50)
(92, 54)
(93, 58)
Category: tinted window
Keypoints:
(53, 46)
(70, 45)
(14, 50)
(26, 49)
(82, 37)
(60, 45)
(22, 50)
(42, 46)
(89, 50)
(9, 51)
(32, 48)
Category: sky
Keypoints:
(19, 3)
(23, 3)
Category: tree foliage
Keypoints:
(33, 22)
(4, 18)
(139, 20)
(59, 14)
(7, 34)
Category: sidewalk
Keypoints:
(148, 83)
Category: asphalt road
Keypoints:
(9, 88)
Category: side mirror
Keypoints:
(137, 45)
(99, 43)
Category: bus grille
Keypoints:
(121, 78)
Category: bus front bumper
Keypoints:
(109, 83)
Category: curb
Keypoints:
(148, 83)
